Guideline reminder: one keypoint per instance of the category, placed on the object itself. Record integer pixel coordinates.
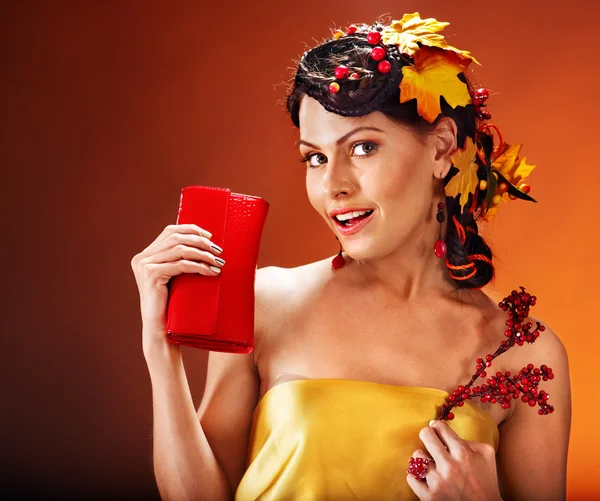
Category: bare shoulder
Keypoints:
(274, 283)
(548, 348)
(280, 292)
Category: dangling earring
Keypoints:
(338, 261)
(439, 248)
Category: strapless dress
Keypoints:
(341, 439)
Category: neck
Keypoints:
(412, 271)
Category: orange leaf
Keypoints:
(434, 74)
(465, 181)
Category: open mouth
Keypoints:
(353, 219)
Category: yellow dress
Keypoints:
(342, 439)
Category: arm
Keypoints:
(532, 453)
(201, 455)
(185, 465)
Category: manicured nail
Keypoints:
(216, 248)
(220, 261)
(431, 422)
(215, 269)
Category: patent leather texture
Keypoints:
(217, 313)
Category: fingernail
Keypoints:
(216, 248)
(215, 269)
(220, 261)
(431, 422)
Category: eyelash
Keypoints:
(305, 159)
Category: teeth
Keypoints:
(350, 215)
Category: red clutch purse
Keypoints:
(217, 313)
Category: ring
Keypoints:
(417, 467)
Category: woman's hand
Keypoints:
(463, 470)
(183, 248)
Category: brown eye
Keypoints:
(316, 159)
(363, 149)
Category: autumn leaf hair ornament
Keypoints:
(418, 60)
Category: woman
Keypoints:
(354, 359)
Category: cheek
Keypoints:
(394, 185)
(312, 190)
(405, 188)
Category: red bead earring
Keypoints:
(439, 248)
(338, 261)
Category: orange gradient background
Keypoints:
(110, 108)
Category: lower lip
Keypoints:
(350, 230)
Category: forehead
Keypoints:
(317, 125)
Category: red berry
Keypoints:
(482, 93)
(334, 87)
(450, 416)
(341, 72)
(384, 66)
(351, 29)
(354, 76)
(378, 53)
(374, 37)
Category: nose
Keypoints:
(338, 179)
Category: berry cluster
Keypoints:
(503, 387)
(418, 467)
(479, 98)
(378, 53)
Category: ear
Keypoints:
(445, 145)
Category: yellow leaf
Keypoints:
(465, 181)
(522, 171)
(434, 74)
(506, 159)
(410, 31)
(509, 165)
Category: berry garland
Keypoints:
(502, 388)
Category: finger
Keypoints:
(434, 445)
(420, 488)
(420, 453)
(187, 228)
(174, 239)
(162, 272)
(186, 240)
(192, 229)
(184, 252)
(447, 436)
(431, 468)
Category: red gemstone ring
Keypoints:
(417, 467)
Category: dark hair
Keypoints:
(468, 256)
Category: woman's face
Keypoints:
(373, 163)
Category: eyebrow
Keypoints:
(341, 139)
